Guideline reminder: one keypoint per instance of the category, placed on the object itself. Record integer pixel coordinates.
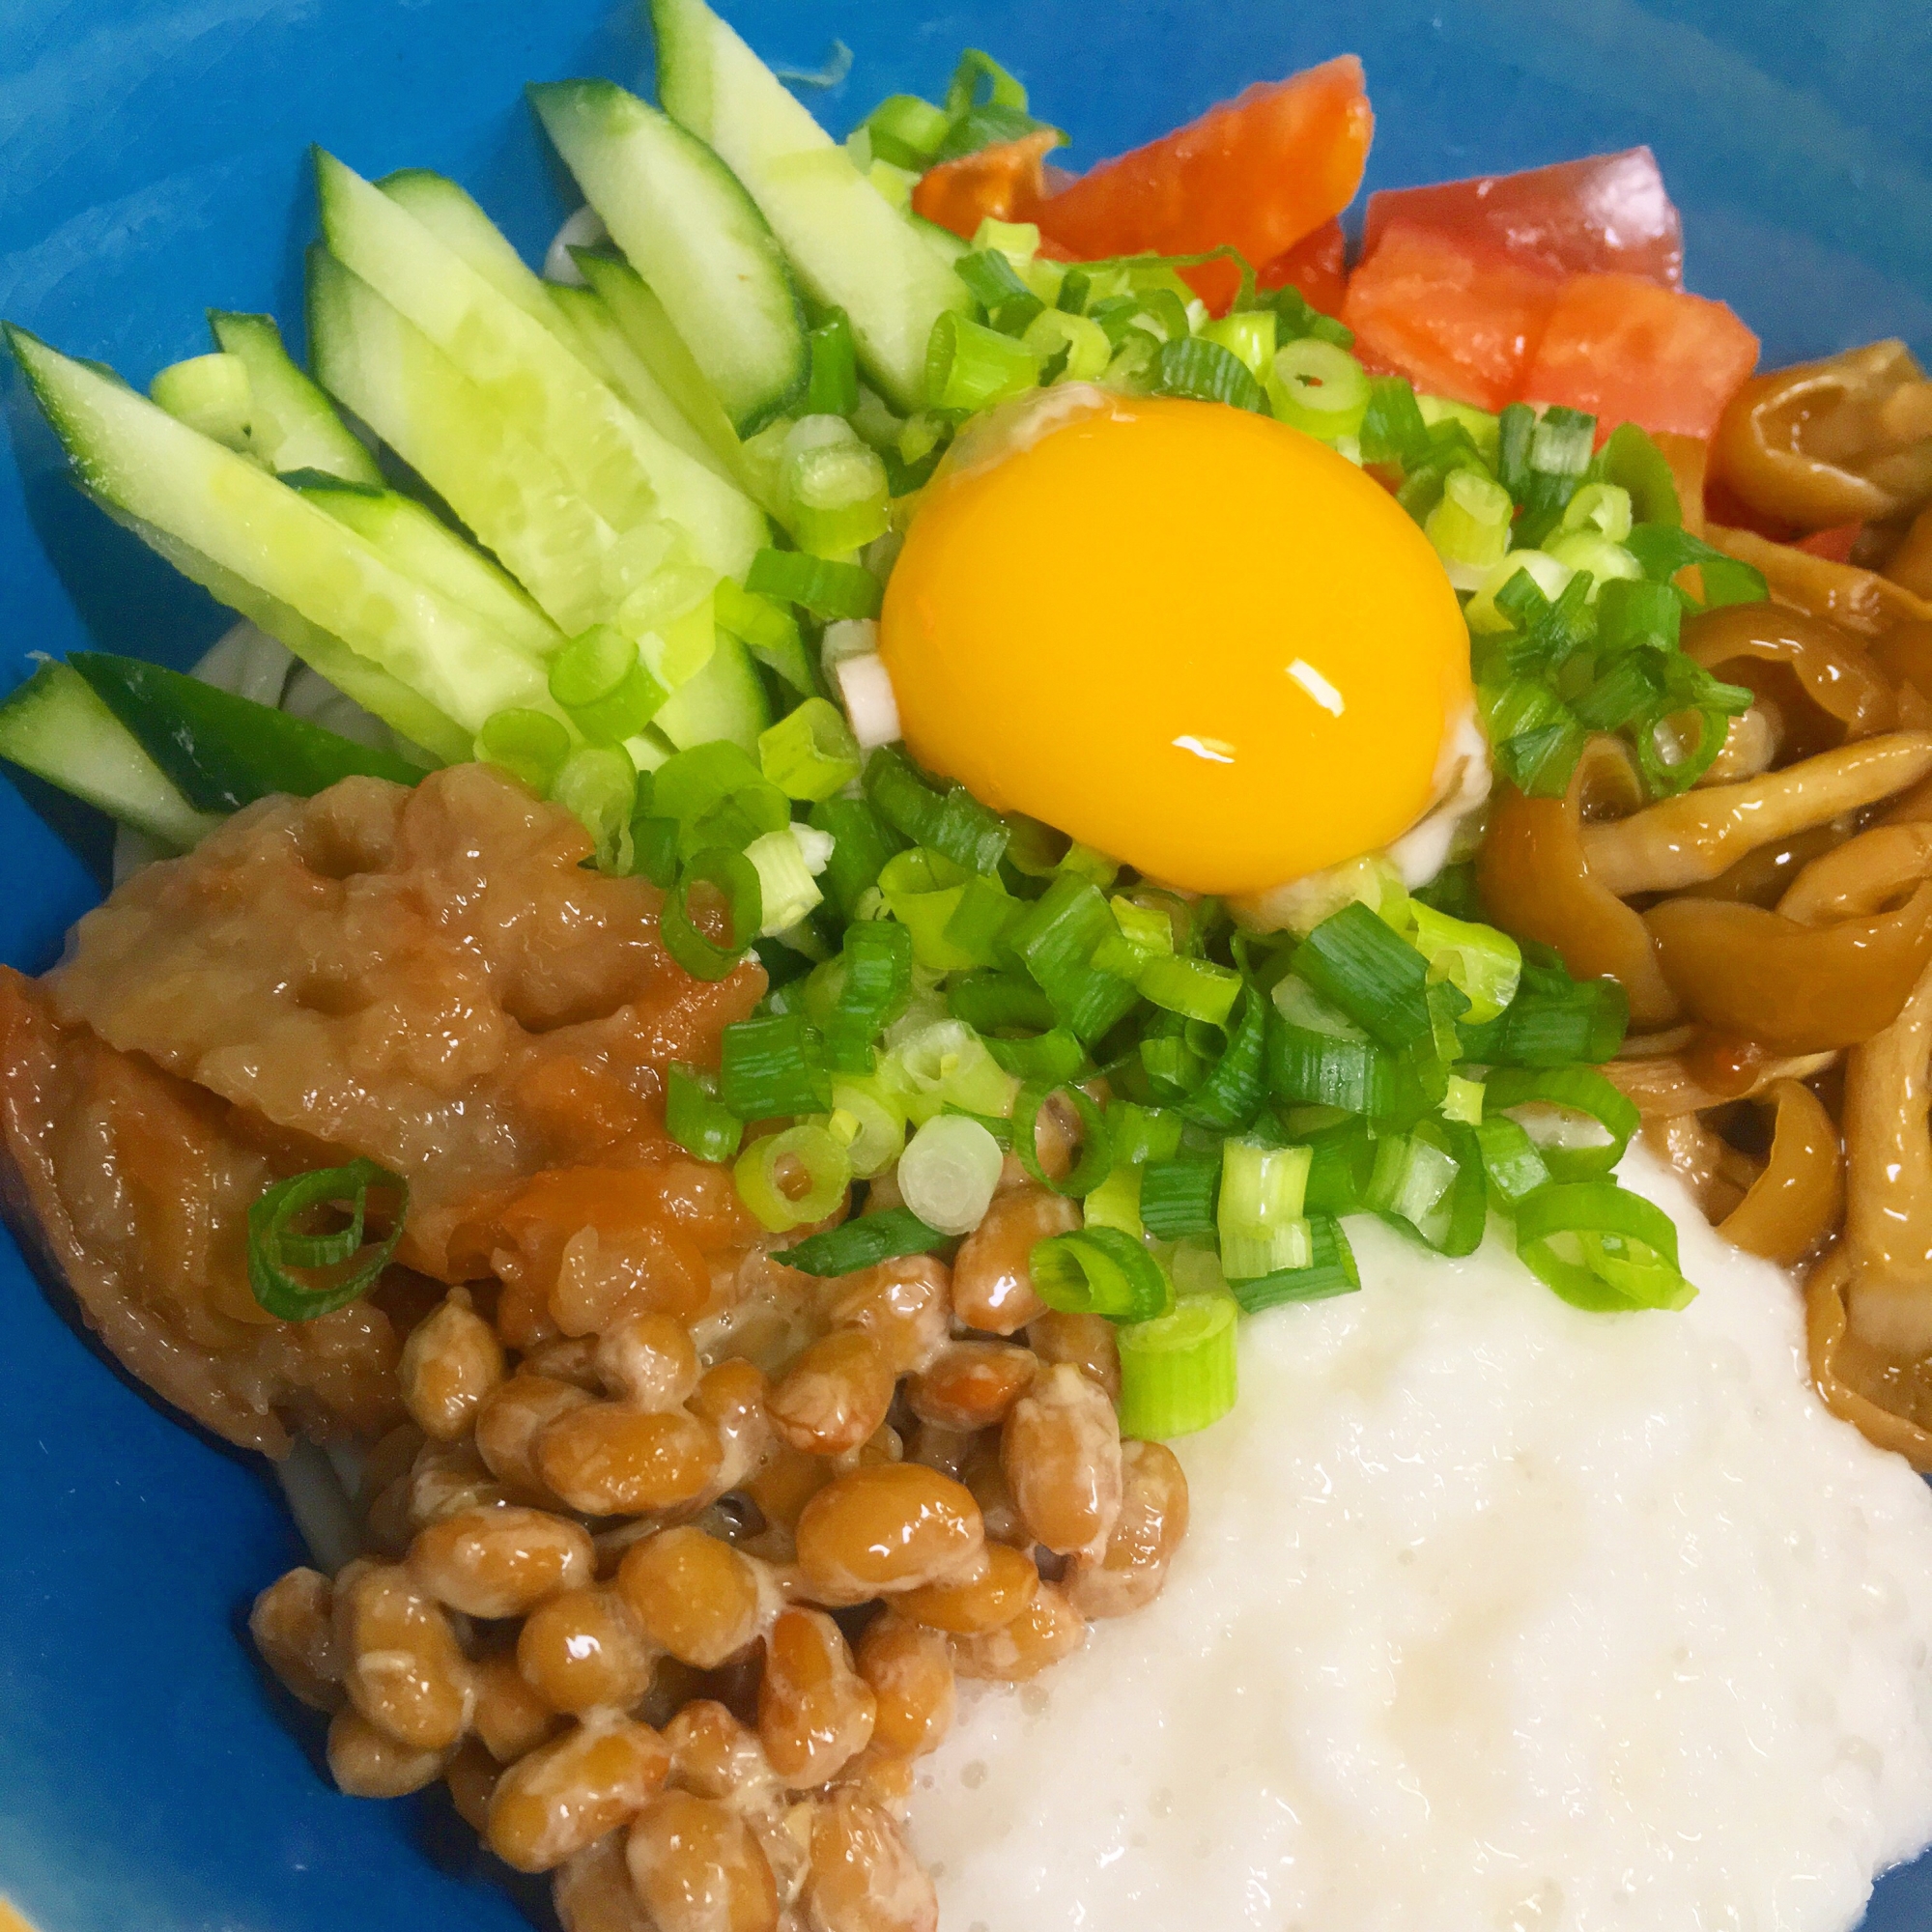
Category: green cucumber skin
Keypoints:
(687, 226)
(305, 432)
(645, 323)
(56, 726)
(419, 543)
(849, 247)
(222, 750)
(623, 467)
(610, 351)
(254, 527)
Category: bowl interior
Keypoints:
(155, 160)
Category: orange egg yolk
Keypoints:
(1185, 634)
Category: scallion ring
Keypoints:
(737, 878)
(1100, 1271)
(275, 1246)
(1096, 1156)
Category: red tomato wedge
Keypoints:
(1605, 213)
(1317, 265)
(1835, 544)
(1629, 351)
(1256, 173)
(1007, 181)
(1460, 319)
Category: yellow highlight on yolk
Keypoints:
(1186, 635)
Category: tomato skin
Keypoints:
(1258, 172)
(1317, 265)
(1834, 545)
(1628, 350)
(1460, 319)
(1605, 213)
(1007, 181)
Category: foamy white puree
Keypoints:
(1495, 1617)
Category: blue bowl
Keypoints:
(153, 154)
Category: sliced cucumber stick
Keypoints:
(647, 326)
(56, 726)
(456, 220)
(850, 246)
(209, 393)
(223, 752)
(507, 489)
(223, 505)
(607, 348)
(406, 712)
(623, 467)
(291, 425)
(419, 543)
(689, 229)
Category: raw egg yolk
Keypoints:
(1184, 633)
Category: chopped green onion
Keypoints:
(824, 587)
(1353, 961)
(1470, 526)
(695, 1119)
(1663, 551)
(768, 630)
(275, 1246)
(811, 753)
(1462, 1100)
(1144, 933)
(906, 132)
(1316, 1058)
(600, 680)
(786, 889)
(1317, 388)
(949, 1172)
(1604, 508)
(1331, 1271)
(862, 1243)
(1412, 1178)
(1095, 1150)
(733, 875)
(654, 844)
(860, 845)
(952, 823)
(834, 389)
(1485, 965)
(764, 1169)
(1510, 1160)
(1176, 1198)
(598, 783)
(994, 282)
(1056, 940)
(1229, 1094)
(1055, 1055)
(1632, 461)
(531, 744)
(946, 1063)
(1099, 1271)
(1392, 428)
(1590, 550)
(1205, 372)
(1247, 335)
(833, 491)
(869, 1117)
(1577, 1090)
(1197, 988)
(1139, 1135)
(877, 983)
(1549, 1026)
(1260, 1216)
(1079, 343)
(1178, 1373)
(1601, 1247)
(969, 366)
(1484, 614)
(989, 1001)
(774, 1066)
